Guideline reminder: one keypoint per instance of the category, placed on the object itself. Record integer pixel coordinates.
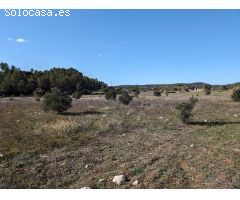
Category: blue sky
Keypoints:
(129, 46)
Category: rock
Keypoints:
(104, 115)
(160, 117)
(86, 166)
(85, 187)
(1, 155)
(205, 121)
(44, 156)
(128, 113)
(101, 180)
(192, 145)
(119, 179)
(135, 183)
(18, 121)
(236, 115)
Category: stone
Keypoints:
(101, 180)
(119, 179)
(85, 187)
(135, 183)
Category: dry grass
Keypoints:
(98, 139)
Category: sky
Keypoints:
(129, 46)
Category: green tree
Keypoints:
(57, 101)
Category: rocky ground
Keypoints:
(102, 144)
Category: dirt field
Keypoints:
(98, 139)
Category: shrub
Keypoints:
(56, 101)
(186, 109)
(125, 98)
(157, 93)
(136, 91)
(77, 95)
(38, 92)
(207, 89)
(11, 98)
(224, 87)
(110, 94)
(236, 95)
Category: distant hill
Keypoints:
(196, 84)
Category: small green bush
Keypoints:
(77, 95)
(38, 92)
(56, 101)
(11, 98)
(110, 93)
(236, 95)
(186, 108)
(207, 89)
(157, 93)
(125, 98)
(136, 91)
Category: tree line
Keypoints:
(14, 81)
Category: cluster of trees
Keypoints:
(15, 82)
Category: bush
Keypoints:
(38, 92)
(56, 101)
(110, 93)
(207, 89)
(136, 91)
(11, 98)
(125, 98)
(236, 95)
(157, 93)
(186, 109)
(77, 95)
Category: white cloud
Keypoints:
(20, 40)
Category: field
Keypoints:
(99, 139)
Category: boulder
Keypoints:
(119, 179)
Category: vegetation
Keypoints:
(13, 81)
(236, 95)
(157, 93)
(77, 95)
(136, 91)
(110, 93)
(125, 98)
(186, 109)
(57, 101)
(207, 89)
